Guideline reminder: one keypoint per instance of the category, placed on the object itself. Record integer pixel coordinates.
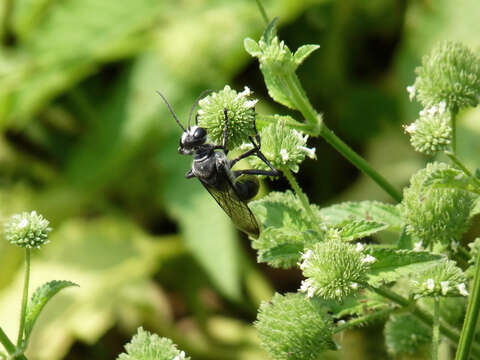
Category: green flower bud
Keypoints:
(441, 279)
(283, 146)
(292, 327)
(28, 230)
(450, 74)
(435, 214)
(147, 346)
(405, 334)
(240, 112)
(334, 269)
(431, 133)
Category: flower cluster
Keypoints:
(28, 230)
(292, 327)
(435, 214)
(334, 269)
(442, 279)
(146, 346)
(240, 111)
(450, 74)
(283, 146)
(432, 132)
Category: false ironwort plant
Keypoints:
(410, 285)
(28, 230)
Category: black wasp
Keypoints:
(230, 188)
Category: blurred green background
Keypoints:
(86, 141)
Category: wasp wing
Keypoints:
(237, 209)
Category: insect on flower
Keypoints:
(230, 188)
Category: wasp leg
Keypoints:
(256, 172)
(189, 174)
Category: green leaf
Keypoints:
(276, 87)
(303, 52)
(392, 264)
(251, 47)
(451, 178)
(39, 299)
(270, 31)
(286, 230)
(364, 210)
(358, 229)
(367, 301)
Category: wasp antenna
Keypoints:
(171, 110)
(204, 92)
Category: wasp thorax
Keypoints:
(191, 139)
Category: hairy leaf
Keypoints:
(39, 299)
(451, 178)
(303, 52)
(363, 210)
(392, 264)
(358, 229)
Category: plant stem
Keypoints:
(470, 322)
(24, 298)
(462, 167)
(7, 344)
(314, 120)
(301, 195)
(453, 124)
(436, 328)
(5, 24)
(425, 317)
(365, 319)
(263, 12)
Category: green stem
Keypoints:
(470, 322)
(314, 120)
(423, 316)
(301, 195)
(453, 124)
(7, 344)
(24, 298)
(362, 320)
(263, 12)
(462, 167)
(5, 25)
(436, 328)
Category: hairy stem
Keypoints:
(318, 127)
(462, 167)
(262, 11)
(423, 316)
(470, 322)
(436, 328)
(301, 195)
(24, 298)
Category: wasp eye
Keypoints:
(199, 133)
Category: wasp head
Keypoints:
(191, 139)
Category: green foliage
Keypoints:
(405, 334)
(294, 328)
(449, 74)
(240, 112)
(391, 264)
(358, 229)
(363, 210)
(287, 230)
(435, 215)
(147, 346)
(39, 299)
(451, 178)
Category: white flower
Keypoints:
(22, 224)
(432, 110)
(284, 154)
(411, 92)
(359, 247)
(307, 286)
(462, 289)
(423, 112)
(369, 259)
(418, 246)
(180, 357)
(354, 286)
(441, 107)
(310, 152)
(250, 103)
(444, 286)
(430, 284)
(307, 255)
(410, 128)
